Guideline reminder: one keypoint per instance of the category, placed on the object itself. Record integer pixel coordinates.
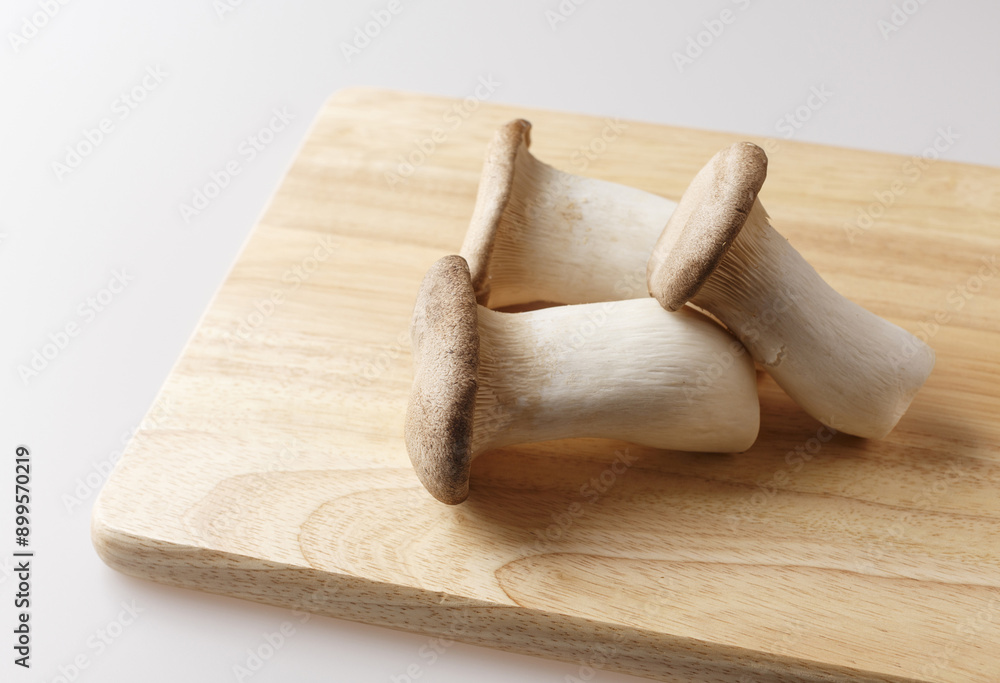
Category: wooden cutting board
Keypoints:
(272, 466)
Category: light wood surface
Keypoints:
(272, 466)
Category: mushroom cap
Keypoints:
(439, 417)
(705, 224)
(495, 187)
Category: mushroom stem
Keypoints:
(844, 365)
(540, 234)
(625, 370)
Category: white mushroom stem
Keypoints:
(847, 367)
(542, 235)
(624, 370)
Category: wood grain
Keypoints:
(273, 468)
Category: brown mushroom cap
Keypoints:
(445, 339)
(705, 224)
(495, 187)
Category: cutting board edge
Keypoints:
(566, 638)
(343, 95)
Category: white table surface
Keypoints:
(209, 79)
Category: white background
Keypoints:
(62, 235)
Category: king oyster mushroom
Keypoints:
(844, 365)
(539, 234)
(624, 370)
